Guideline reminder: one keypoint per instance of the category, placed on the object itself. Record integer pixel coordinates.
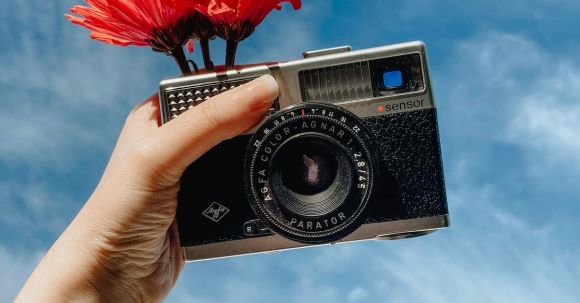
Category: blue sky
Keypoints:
(507, 80)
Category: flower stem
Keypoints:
(204, 43)
(181, 61)
(231, 48)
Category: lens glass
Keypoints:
(310, 171)
(311, 175)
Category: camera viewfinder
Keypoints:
(392, 79)
(397, 75)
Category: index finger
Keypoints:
(182, 140)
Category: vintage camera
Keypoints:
(349, 151)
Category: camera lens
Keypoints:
(309, 172)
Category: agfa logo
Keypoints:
(215, 212)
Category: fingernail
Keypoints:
(265, 87)
(271, 84)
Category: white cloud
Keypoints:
(548, 122)
(32, 213)
(54, 108)
(64, 94)
(551, 132)
(488, 255)
(358, 294)
(506, 96)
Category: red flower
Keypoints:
(166, 25)
(234, 20)
(137, 22)
(133, 22)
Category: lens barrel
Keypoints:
(309, 172)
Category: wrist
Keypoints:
(74, 269)
(100, 276)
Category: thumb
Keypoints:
(182, 140)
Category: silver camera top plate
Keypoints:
(336, 75)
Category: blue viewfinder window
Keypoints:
(392, 79)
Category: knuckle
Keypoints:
(211, 114)
(147, 166)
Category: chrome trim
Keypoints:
(286, 74)
(275, 243)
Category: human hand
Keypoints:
(123, 245)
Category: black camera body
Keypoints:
(349, 151)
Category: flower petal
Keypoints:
(133, 22)
(190, 46)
